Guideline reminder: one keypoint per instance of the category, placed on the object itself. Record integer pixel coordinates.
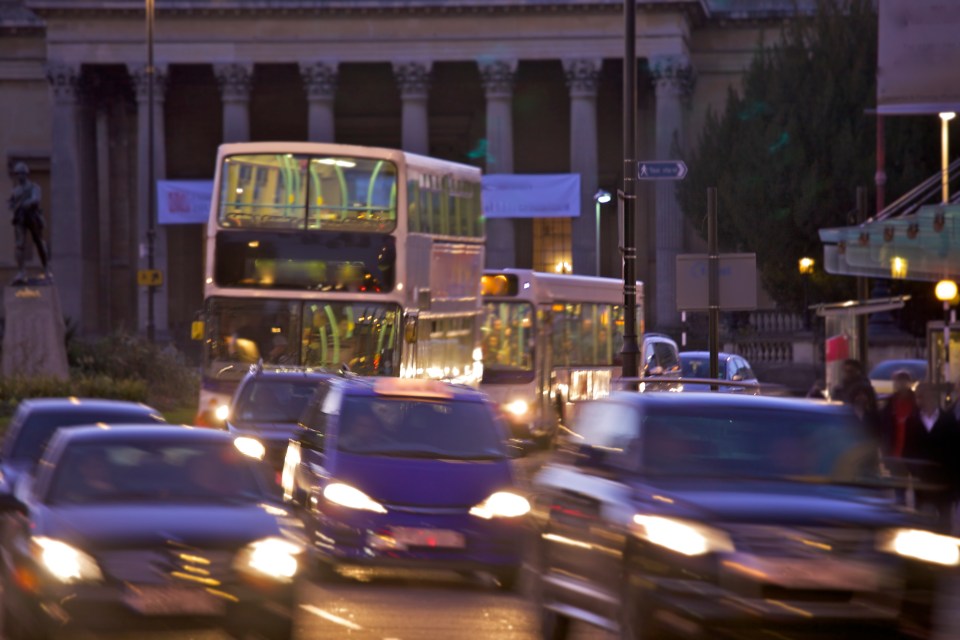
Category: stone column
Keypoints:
(413, 79)
(672, 76)
(235, 81)
(320, 81)
(498, 77)
(138, 74)
(66, 213)
(583, 77)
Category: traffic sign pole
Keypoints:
(713, 292)
(628, 196)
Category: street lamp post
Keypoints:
(599, 198)
(628, 194)
(946, 291)
(151, 171)
(945, 118)
(806, 270)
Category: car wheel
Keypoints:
(553, 626)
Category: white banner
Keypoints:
(919, 53)
(184, 201)
(531, 196)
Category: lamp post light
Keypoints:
(599, 198)
(946, 292)
(945, 118)
(805, 266)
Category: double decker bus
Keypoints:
(551, 341)
(332, 257)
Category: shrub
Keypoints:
(15, 389)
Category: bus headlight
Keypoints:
(517, 408)
(502, 504)
(922, 545)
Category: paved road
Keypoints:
(376, 605)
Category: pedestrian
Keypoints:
(933, 439)
(865, 408)
(901, 405)
(852, 380)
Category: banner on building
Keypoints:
(919, 53)
(531, 196)
(184, 201)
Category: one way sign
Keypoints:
(661, 170)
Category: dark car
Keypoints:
(410, 473)
(720, 515)
(732, 368)
(267, 407)
(141, 528)
(36, 420)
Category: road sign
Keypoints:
(661, 170)
(738, 282)
(149, 277)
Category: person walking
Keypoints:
(894, 418)
(933, 440)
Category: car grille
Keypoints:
(784, 542)
(168, 564)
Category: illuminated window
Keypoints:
(552, 245)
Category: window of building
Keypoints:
(552, 245)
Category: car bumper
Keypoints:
(370, 539)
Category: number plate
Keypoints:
(436, 538)
(815, 573)
(172, 601)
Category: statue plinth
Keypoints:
(34, 331)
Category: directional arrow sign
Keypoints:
(661, 170)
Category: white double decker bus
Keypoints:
(551, 341)
(328, 256)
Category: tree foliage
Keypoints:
(790, 148)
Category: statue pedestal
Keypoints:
(34, 332)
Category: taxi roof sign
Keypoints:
(412, 387)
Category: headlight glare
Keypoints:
(517, 408)
(502, 504)
(274, 557)
(687, 538)
(922, 545)
(250, 447)
(351, 497)
(66, 563)
(222, 412)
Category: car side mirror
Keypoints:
(310, 439)
(737, 377)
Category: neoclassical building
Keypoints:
(513, 86)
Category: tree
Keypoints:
(790, 148)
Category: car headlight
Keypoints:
(222, 412)
(502, 504)
(687, 538)
(518, 408)
(250, 447)
(921, 545)
(65, 563)
(272, 557)
(351, 497)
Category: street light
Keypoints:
(599, 198)
(945, 118)
(805, 266)
(946, 292)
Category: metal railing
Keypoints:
(927, 192)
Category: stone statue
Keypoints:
(27, 218)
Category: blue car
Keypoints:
(406, 473)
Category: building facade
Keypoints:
(513, 86)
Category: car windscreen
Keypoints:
(739, 442)
(419, 429)
(699, 367)
(39, 427)
(273, 401)
(153, 472)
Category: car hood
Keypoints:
(126, 526)
(264, 430)
(423, 483)
(777, 503)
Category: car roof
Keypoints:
(288, 374)
(693, 399)
(407, 388)
(158, 434)
(89, 404)
(706, 354)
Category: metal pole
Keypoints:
(151, 174)
(880, 179)
(863, 290)
(628, 195)
(946, 342)
(945, 157)
(713, 278)
(596, 204)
